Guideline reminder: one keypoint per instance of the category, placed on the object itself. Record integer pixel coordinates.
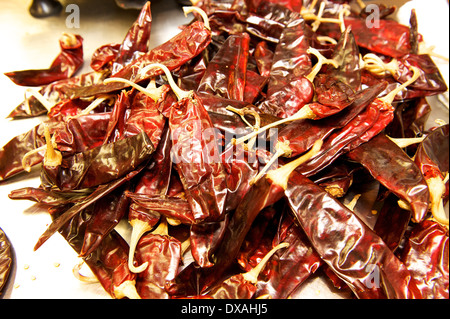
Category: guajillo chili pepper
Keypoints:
(109, 210)
(390, 165)
(342, 240)
(99, 192)
(108, 262)
(153, 182)
(51, 197)
(236, 231)
(225, 74)
(426, 256)
(68, 61)
(161, 254)
(186, 45)
(96, 166)
(432, 160)
(6, 259)
(242, 286)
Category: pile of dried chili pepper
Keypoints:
(240, 152)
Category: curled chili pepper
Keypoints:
(68, 61)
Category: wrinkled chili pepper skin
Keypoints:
(426, 256)
(432, 154)
(174, 53)
(235, 287)
(100, 165)
(288, 90)
(109, 210)
(64, 66)
(163, 254)
(346, 244)
(109, 262)
(395, 170)
(196, 158)
(225, 74)
(6, 259)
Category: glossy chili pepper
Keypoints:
(225, 74)
(426, 257)
(392, 222)
(161, 254)
(6, 259)
(104, 56)
(254, 87)
(186, 45)
(74, 210)
(288, 88)
(292, 267)
(432, 160)
(51, 197)
(68, 61)
(99, 165)
(108, 262)
(264, 57)
(242, 286)
(396, 171)
(109, 210)
(346, 244)
(53, 92)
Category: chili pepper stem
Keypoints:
(25, 158)
(242, 112)
(162, 228)
(252, 275)
(280, 176)
(436, 186)
(202, 13)
(352, 204)
(139, 228)
(76, 272)
(155, 94)
(282, 149)
(321, 61)
(181, 94)
(389, 98)
(38, 96)
(373, 63)
(126, 289)
(89, 108)
(405, 142)
(52, 157)
(304, 113)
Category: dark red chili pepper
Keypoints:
(242, 286)
(109, 210)
(432, 159)
(343, 242)
(108, 262)
(51, 197)
(104, 56)
(80, 205)
(288, 89)
(264, 57)
(426, 257)
(392, 222)
(254, 86)
(186, 45)
(225, 74)
(99, 165)
(292, 267)
(68, 61)
(396, 171)
(6, 259)
(161, 254)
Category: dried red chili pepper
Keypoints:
(6, 259)
(242, 286)
(225, 74)
(426, 257)
(108, 262)
(161, 254)
(186, 45)
(68, 61)
(343, 240)
(97, 166)
(432, 160)
(264, 57)
(109, 210)
(396, 171)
